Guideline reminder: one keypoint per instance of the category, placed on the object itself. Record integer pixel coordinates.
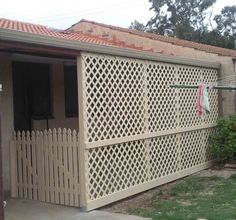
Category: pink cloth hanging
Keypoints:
(199, 95)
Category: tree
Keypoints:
(186, 18)
(215, 38)
(226, 21)
(138, 26)
(192, 20)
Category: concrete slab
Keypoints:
(101, 215)
(34, 210)
(17, 209)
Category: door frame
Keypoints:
(1, 174)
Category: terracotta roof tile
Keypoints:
(46, 31)
(172, 40)
(89, 38)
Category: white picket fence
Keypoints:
(45, 166)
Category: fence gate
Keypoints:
(44, 166)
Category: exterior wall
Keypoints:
(7, 116)
(146, 43)
(58, 103)
(227, 96)
(227, 65)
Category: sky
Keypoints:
(62, 14)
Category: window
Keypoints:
(71, 91)
(32, 97)
(40, 92)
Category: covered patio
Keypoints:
(123, 131)
(44, 157)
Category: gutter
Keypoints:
(29, 38)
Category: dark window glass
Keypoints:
(71, 91)
(32, 97)
(40, 91)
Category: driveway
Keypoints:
(18, 209)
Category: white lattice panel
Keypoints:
(194, 148)
(131, 98)
(115, 97)
(161, 98)
(116, 168)
(163, 156)
(126, 97)
(187, 97)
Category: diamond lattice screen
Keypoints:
(132, 98)
(114, 98)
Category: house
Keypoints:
(94, 114)
(167, 46)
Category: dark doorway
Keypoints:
(31, 90)
(1, 174)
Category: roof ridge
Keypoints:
(154, 36)
(27, 23)
(91, 36)
(67, 34)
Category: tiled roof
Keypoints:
(46, 31)
(172, 40)
(89, 38)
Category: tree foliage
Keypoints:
(226, 21)
(223, 141)
(192, 20)
(137, 26)
(184, 17)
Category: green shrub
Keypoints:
(223, 141)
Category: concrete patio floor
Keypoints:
(18, 209)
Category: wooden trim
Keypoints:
(24, 49)
(145, 186)
(145, 136)
(42, 59)
(220, 98)
(35, 39)
(13, 160)
(1, 171)
(82, 171)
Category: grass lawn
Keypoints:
(195, 197)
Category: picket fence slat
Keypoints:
(55, 141)
(34, 166)
(70, 161)
(75, 162)
(51, 167)
(45, 166)
(65, 148)
(60, 167)
(28, 165)
(24, 164)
